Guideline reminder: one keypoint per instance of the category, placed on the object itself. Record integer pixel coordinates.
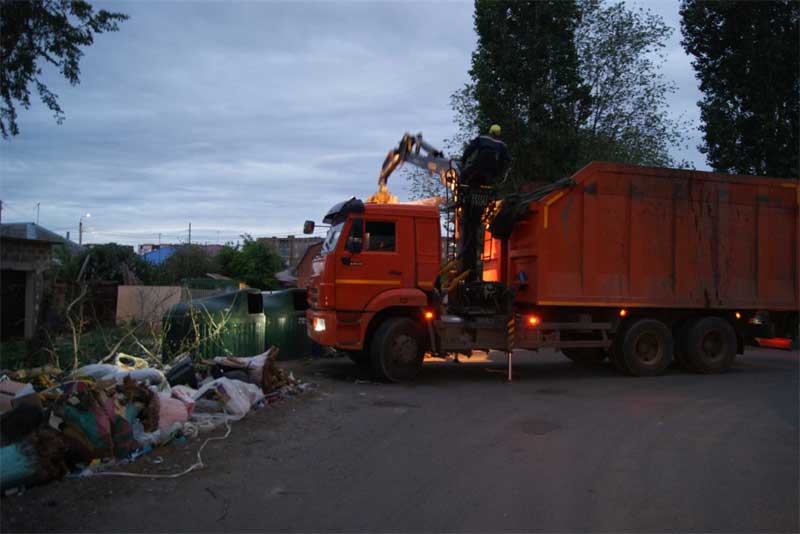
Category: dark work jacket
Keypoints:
(486, 155)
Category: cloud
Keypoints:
(240, 117)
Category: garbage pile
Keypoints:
(103, 415)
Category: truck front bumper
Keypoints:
(342, 330)
(321, 326)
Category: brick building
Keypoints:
(291, 248)
(25, 254)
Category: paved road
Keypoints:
(560, 449)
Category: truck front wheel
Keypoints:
(397, 350)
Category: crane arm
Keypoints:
(415, 150)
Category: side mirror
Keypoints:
(355, 241)
(308, 227)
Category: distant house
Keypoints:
(158, 255)
(304, 269)
(25, 254)
(290, 248)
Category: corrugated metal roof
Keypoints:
(29, 232)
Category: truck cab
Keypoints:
(375, 275)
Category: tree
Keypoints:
(620, 55)
(747, 57)
(569, 84)
(51, 31)
(525, 76)
(254, 262)
(188, 261)
(105, 263)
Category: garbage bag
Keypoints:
(105, 371)
(17, 465)
(8, 390)
(40, 457)
(238, 397)
(97, 371)
(171, 411)
(185, 394)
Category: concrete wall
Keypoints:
(150, 303)
(145, 303)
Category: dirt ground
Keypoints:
(562, 448)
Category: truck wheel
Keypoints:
(588, 356)
(397, 350)
(710, 345)
(615, 350)
(646, 348)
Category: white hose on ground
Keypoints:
(197, 465)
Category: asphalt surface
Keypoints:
(562, 448)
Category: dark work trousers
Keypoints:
(469, 229)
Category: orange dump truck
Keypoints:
(642, 265)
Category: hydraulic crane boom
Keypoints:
(416, 151)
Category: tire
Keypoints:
(397, 350)
(710, 345)
(615, 350)
(587, 356)
(646, 348)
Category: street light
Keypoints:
(80, 227)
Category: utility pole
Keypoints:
(190, 233)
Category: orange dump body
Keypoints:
(631, 236)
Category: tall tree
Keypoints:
(612, 95)
(626, 120)
(525, 76)
(747, 57)
(50, 31)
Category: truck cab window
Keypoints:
(379, 236)
(332, 238)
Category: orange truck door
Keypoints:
(385, 261)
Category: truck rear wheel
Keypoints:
(709, 345)
(587, 356)
(645, 348)
(397, 350)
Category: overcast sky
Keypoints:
(249, 116)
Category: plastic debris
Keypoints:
(130, 363)
(182, 373)
(237, 396)
(8, 390)
(121, 411)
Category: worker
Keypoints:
(485, 160)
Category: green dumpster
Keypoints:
(285, 312)
(231, 324)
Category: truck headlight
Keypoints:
(319, 324)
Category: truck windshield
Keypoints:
(332, 238)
